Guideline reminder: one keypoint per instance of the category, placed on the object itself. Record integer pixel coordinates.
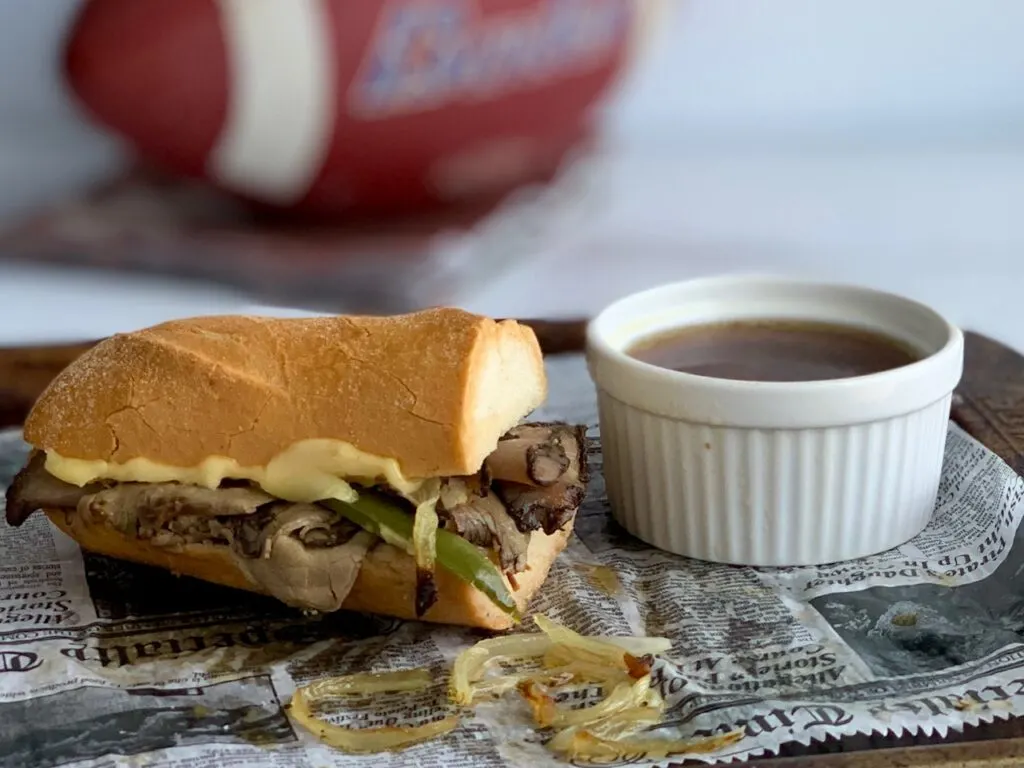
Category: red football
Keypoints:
(350, 105)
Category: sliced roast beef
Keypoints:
(34, 488)
(130, 506)
(187, 529)
(546, 509)
(315, 526)
(122, 504)
(549, 508)
(247, 530)
(313, 579)
(532, 454)
(483, 520)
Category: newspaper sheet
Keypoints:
(103, 663)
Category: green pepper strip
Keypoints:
(394, 525)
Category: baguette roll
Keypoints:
(287, 457)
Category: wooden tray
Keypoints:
(989, 404)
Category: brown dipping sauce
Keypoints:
(774, 350)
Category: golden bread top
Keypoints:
(432, 390)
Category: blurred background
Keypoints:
(879, 142)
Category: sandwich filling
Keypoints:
(308, 552)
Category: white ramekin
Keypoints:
(768, 473)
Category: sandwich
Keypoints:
(376, 464)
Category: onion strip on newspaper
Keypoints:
(596, 659)
(367, 740)
(623, 697)
(558, 658)
(586, 745)
(601, 649)
(472, 663)
(625, 723)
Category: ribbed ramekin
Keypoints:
(772, 473)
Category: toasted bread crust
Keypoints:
(433, 390)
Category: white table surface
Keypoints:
(944, 226)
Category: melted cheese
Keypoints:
(306, 471)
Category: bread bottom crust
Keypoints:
(386, 583)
